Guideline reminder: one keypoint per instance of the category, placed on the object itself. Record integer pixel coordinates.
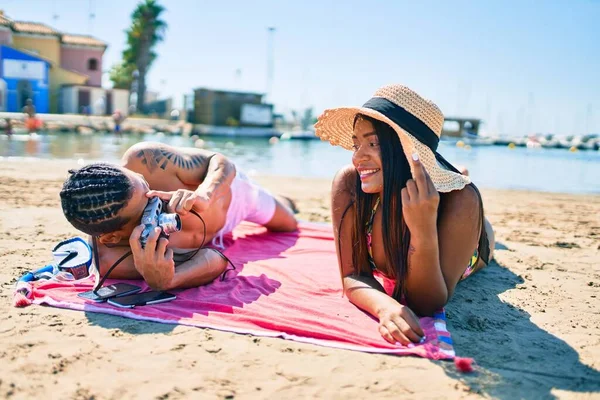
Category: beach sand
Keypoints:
(531, 319)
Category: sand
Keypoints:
(531, 319)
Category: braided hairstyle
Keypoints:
(92, 197)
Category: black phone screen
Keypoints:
(107, 292)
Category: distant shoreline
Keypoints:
(84, 124)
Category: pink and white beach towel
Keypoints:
(286, 285)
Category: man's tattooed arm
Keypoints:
(211, 172)
(162, 158)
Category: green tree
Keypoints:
(121, 75)
(145, 32)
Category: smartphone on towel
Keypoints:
(141, 299)
(110, 291)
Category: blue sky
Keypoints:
(522, 66)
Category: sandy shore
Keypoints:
(531, 320)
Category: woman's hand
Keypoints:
(398, 324)
(420, 201)
(153, 261)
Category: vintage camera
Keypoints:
(153, 217)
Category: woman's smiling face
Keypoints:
(367, 156)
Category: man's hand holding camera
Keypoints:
(182, 201)
(154, 261)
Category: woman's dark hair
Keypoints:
(396, 238)
(92, 197)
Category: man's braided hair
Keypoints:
(92, 197)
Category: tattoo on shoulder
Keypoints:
(160, 158)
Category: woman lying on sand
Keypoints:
(401, 211)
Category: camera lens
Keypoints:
(169, 223)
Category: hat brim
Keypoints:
(336, 126)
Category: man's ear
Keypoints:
(110, 238)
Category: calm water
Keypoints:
(490, 166)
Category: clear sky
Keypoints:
(521, 65)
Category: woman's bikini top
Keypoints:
(369, 227)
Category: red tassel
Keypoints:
(19, 300)
(464, 364)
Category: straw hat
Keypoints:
(417, 121)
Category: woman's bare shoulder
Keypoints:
(344, 180)
(342, 191)
(461, 203)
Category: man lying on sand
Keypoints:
(107, 202)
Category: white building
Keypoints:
(77, 99)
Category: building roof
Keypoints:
(82, 40)
(42, 29)
(33, 27)
(28, 53)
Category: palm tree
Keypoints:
(147, 29)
